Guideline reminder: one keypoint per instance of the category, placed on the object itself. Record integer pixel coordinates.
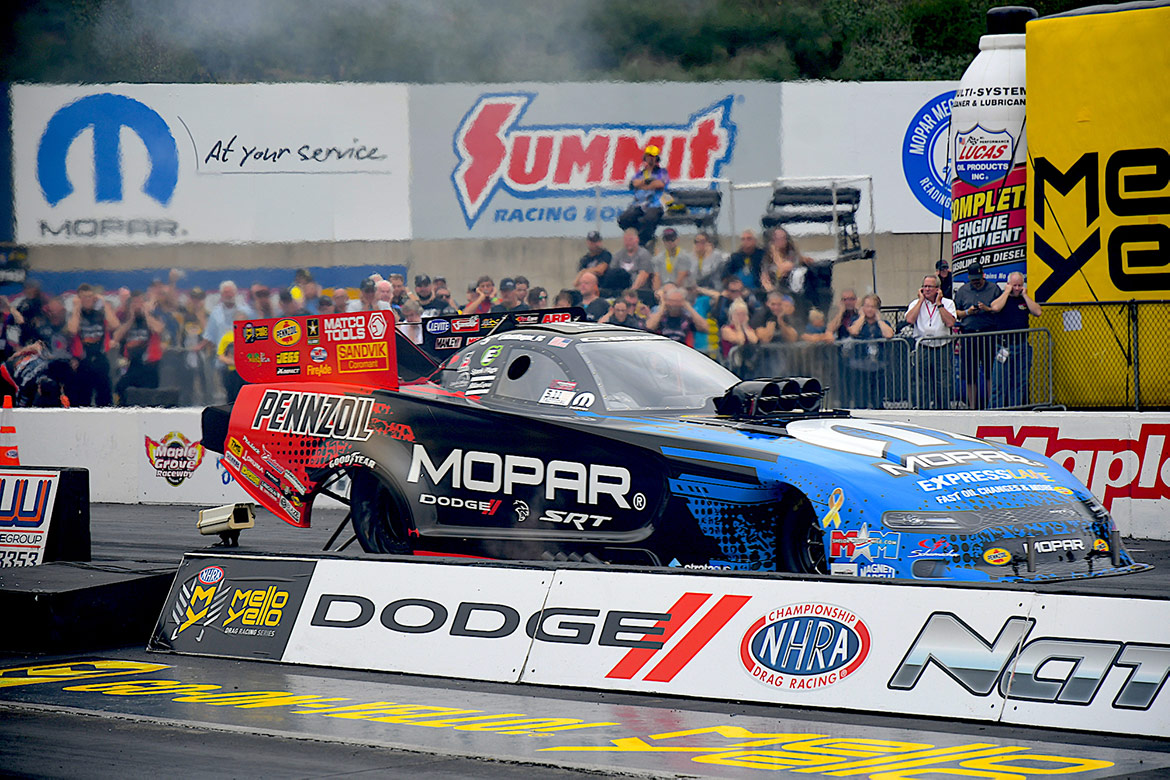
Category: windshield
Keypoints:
(652, 374)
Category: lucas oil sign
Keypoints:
(555, 160)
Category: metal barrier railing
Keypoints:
(999, 370)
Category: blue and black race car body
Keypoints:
(591, 442)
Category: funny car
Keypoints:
(541, 439)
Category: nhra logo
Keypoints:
(105, 115)
(805, 646)
(496, 153)
(174, 457)
(199, 601)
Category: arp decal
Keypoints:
(805, 646)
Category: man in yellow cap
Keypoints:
(649, 185)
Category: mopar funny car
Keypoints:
(566, 440)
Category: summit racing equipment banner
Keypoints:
(209, 163)
(1099, 221)
(1065, 661)
(521, 160)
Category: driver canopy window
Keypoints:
(528, 375)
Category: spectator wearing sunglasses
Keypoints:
(440, 304)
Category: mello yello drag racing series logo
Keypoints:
(495, 152)
(174, 457)
(252, 609)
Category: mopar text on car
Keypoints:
(562, 440)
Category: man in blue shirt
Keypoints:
(649, 185)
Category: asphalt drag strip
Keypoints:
(130, 713)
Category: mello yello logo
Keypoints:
(496, 152)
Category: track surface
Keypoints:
(124, 712)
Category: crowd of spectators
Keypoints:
(97, 348)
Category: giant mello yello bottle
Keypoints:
(989, 152)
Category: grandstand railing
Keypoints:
(999, 370)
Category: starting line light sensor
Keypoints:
(227, 521)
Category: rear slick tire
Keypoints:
(377, 518)
(802, 541)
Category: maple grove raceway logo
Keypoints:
(495, 153)
(174, 457)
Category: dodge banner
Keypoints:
(1040, 659)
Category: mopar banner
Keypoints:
(232, 606)
(517, 160)
(1098, 124)
(176, 163)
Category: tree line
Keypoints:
(442, 41)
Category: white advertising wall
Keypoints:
(213, 163)
(133, 455)
(367, 615)
(1122, 457)
(1063, 661)
(894, 131)
(210, 163)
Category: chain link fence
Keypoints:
(1110, 355)
(1001, 370)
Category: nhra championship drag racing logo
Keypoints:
(174, 457)
(805, 646)
(924, 155)
(495, 153)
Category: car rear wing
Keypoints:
(355, 348)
